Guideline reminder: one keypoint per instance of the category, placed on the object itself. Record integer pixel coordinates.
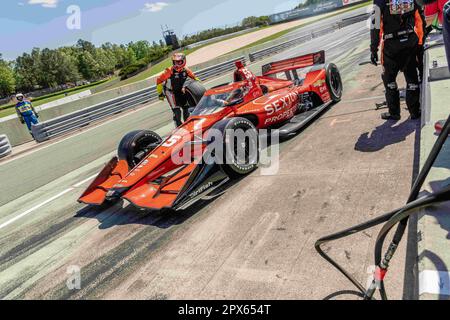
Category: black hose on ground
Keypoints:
(399, 216)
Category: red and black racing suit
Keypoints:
(174, 82)
(401, 37)
(243, 74)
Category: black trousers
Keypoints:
(179, 105)
(401, 56)
(180, 115)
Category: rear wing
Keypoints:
(293, 64)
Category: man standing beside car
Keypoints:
(400, 27)
(171, 83)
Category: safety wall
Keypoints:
(433, 223)
(65, 100)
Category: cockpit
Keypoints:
(215, 102)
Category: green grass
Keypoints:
(284, 32)
(6, 112)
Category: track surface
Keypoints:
(255, 241)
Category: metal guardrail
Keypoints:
(76, 120)
(5, 146)
(352, 20)
(315, 34)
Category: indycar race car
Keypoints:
(153, 173)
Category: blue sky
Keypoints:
(25, 24)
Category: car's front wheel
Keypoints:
(240, 142)
(136, 145)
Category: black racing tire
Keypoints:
(194, 92)
(334, 82)
(232, 166)
(135, 145)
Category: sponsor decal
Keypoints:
(201, 189)
(280, 104)
(286, 114)
(319, 83)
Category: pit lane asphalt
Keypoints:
(255, 241)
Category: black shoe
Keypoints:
(388, 116)
(416, 116)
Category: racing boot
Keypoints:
(388, 116)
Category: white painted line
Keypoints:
(7, 223)
(79, 184)
(434, 282)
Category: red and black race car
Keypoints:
(148, 172)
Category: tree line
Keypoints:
(247, 23)
(49, 68)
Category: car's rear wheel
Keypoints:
(240, 139)
(136, 145)
(334, 82)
